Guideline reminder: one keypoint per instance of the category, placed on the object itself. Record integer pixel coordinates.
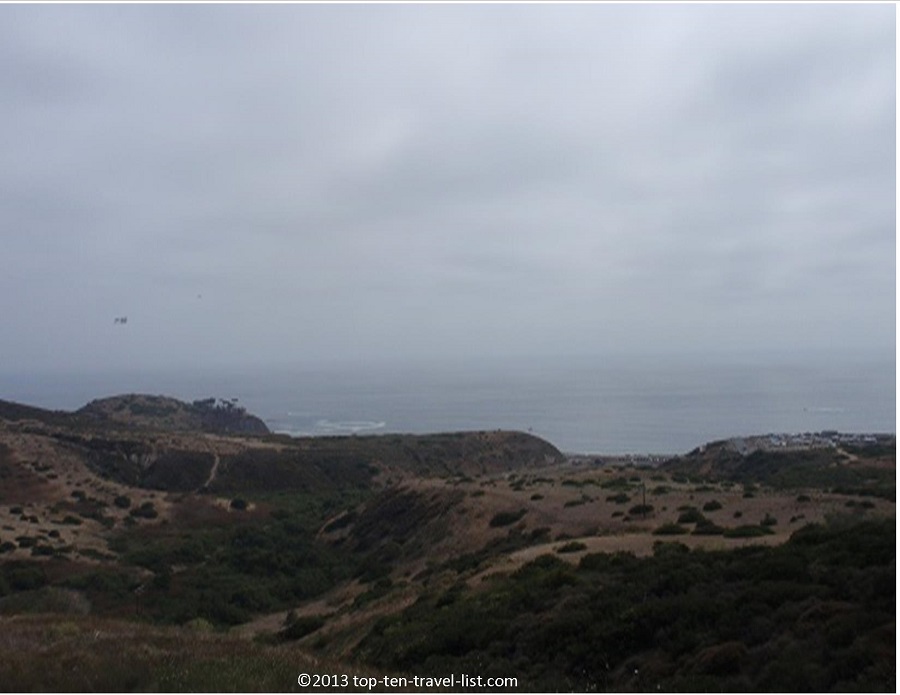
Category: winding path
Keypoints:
(213, 472)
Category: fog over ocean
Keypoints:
(582, 405)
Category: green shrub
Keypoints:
(22, 576)
(506, 518)
(145, 511)
(747, 531)
(122, 501)
(301, 627)
(616, 483)
(708, 528)
(712, 506)
(539, 534)
(691, 515)
(571, 547)
(670, 529)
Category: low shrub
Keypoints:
(122, 501)
(616, 483)
(747, 531)
(571, 547)
(506, 518)
(708, 528)
(145, 511)
(301, 627)
(691, 515)
(670, 529)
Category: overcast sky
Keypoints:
(267, 184)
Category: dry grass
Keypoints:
(572, 504)
(39, 495)
(40, 478)
(86, 654)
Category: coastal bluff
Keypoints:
(141, 411)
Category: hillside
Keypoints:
(159, 412)
(856, 465)
(480, 552)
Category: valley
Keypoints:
(197, 551)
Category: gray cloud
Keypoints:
(370, 180)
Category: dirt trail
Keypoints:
(213, 472)
(640, 544)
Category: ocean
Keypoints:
(589, 405)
